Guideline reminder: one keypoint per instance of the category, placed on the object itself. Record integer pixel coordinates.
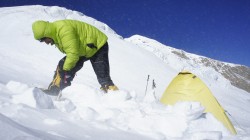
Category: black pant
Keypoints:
(100, 64)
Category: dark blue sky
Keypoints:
(219, 29)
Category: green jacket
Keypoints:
(74, 38)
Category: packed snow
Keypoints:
(84, 111)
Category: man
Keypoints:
(80, 42)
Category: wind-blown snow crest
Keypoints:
(84, 112)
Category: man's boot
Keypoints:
(107, 88)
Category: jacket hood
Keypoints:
(43, 29)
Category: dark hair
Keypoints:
(42, 39)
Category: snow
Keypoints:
(84, 112)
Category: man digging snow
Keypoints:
(80, 42)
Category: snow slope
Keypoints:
(84, 112)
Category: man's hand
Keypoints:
(66, 79)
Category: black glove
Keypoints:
(66, 79)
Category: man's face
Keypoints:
(47, 41)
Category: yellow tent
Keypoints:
(188, 87)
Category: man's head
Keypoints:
(42, 32)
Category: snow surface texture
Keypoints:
(84, 112)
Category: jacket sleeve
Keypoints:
(70, 45)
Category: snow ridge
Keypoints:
(236, 74)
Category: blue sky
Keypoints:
(219, 29)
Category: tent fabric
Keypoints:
(188, 87)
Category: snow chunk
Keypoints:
(43, 101)
(65, 105)
(16, 87)
(21, 93)
(189, 110)
(114, 97)
(30, 96)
